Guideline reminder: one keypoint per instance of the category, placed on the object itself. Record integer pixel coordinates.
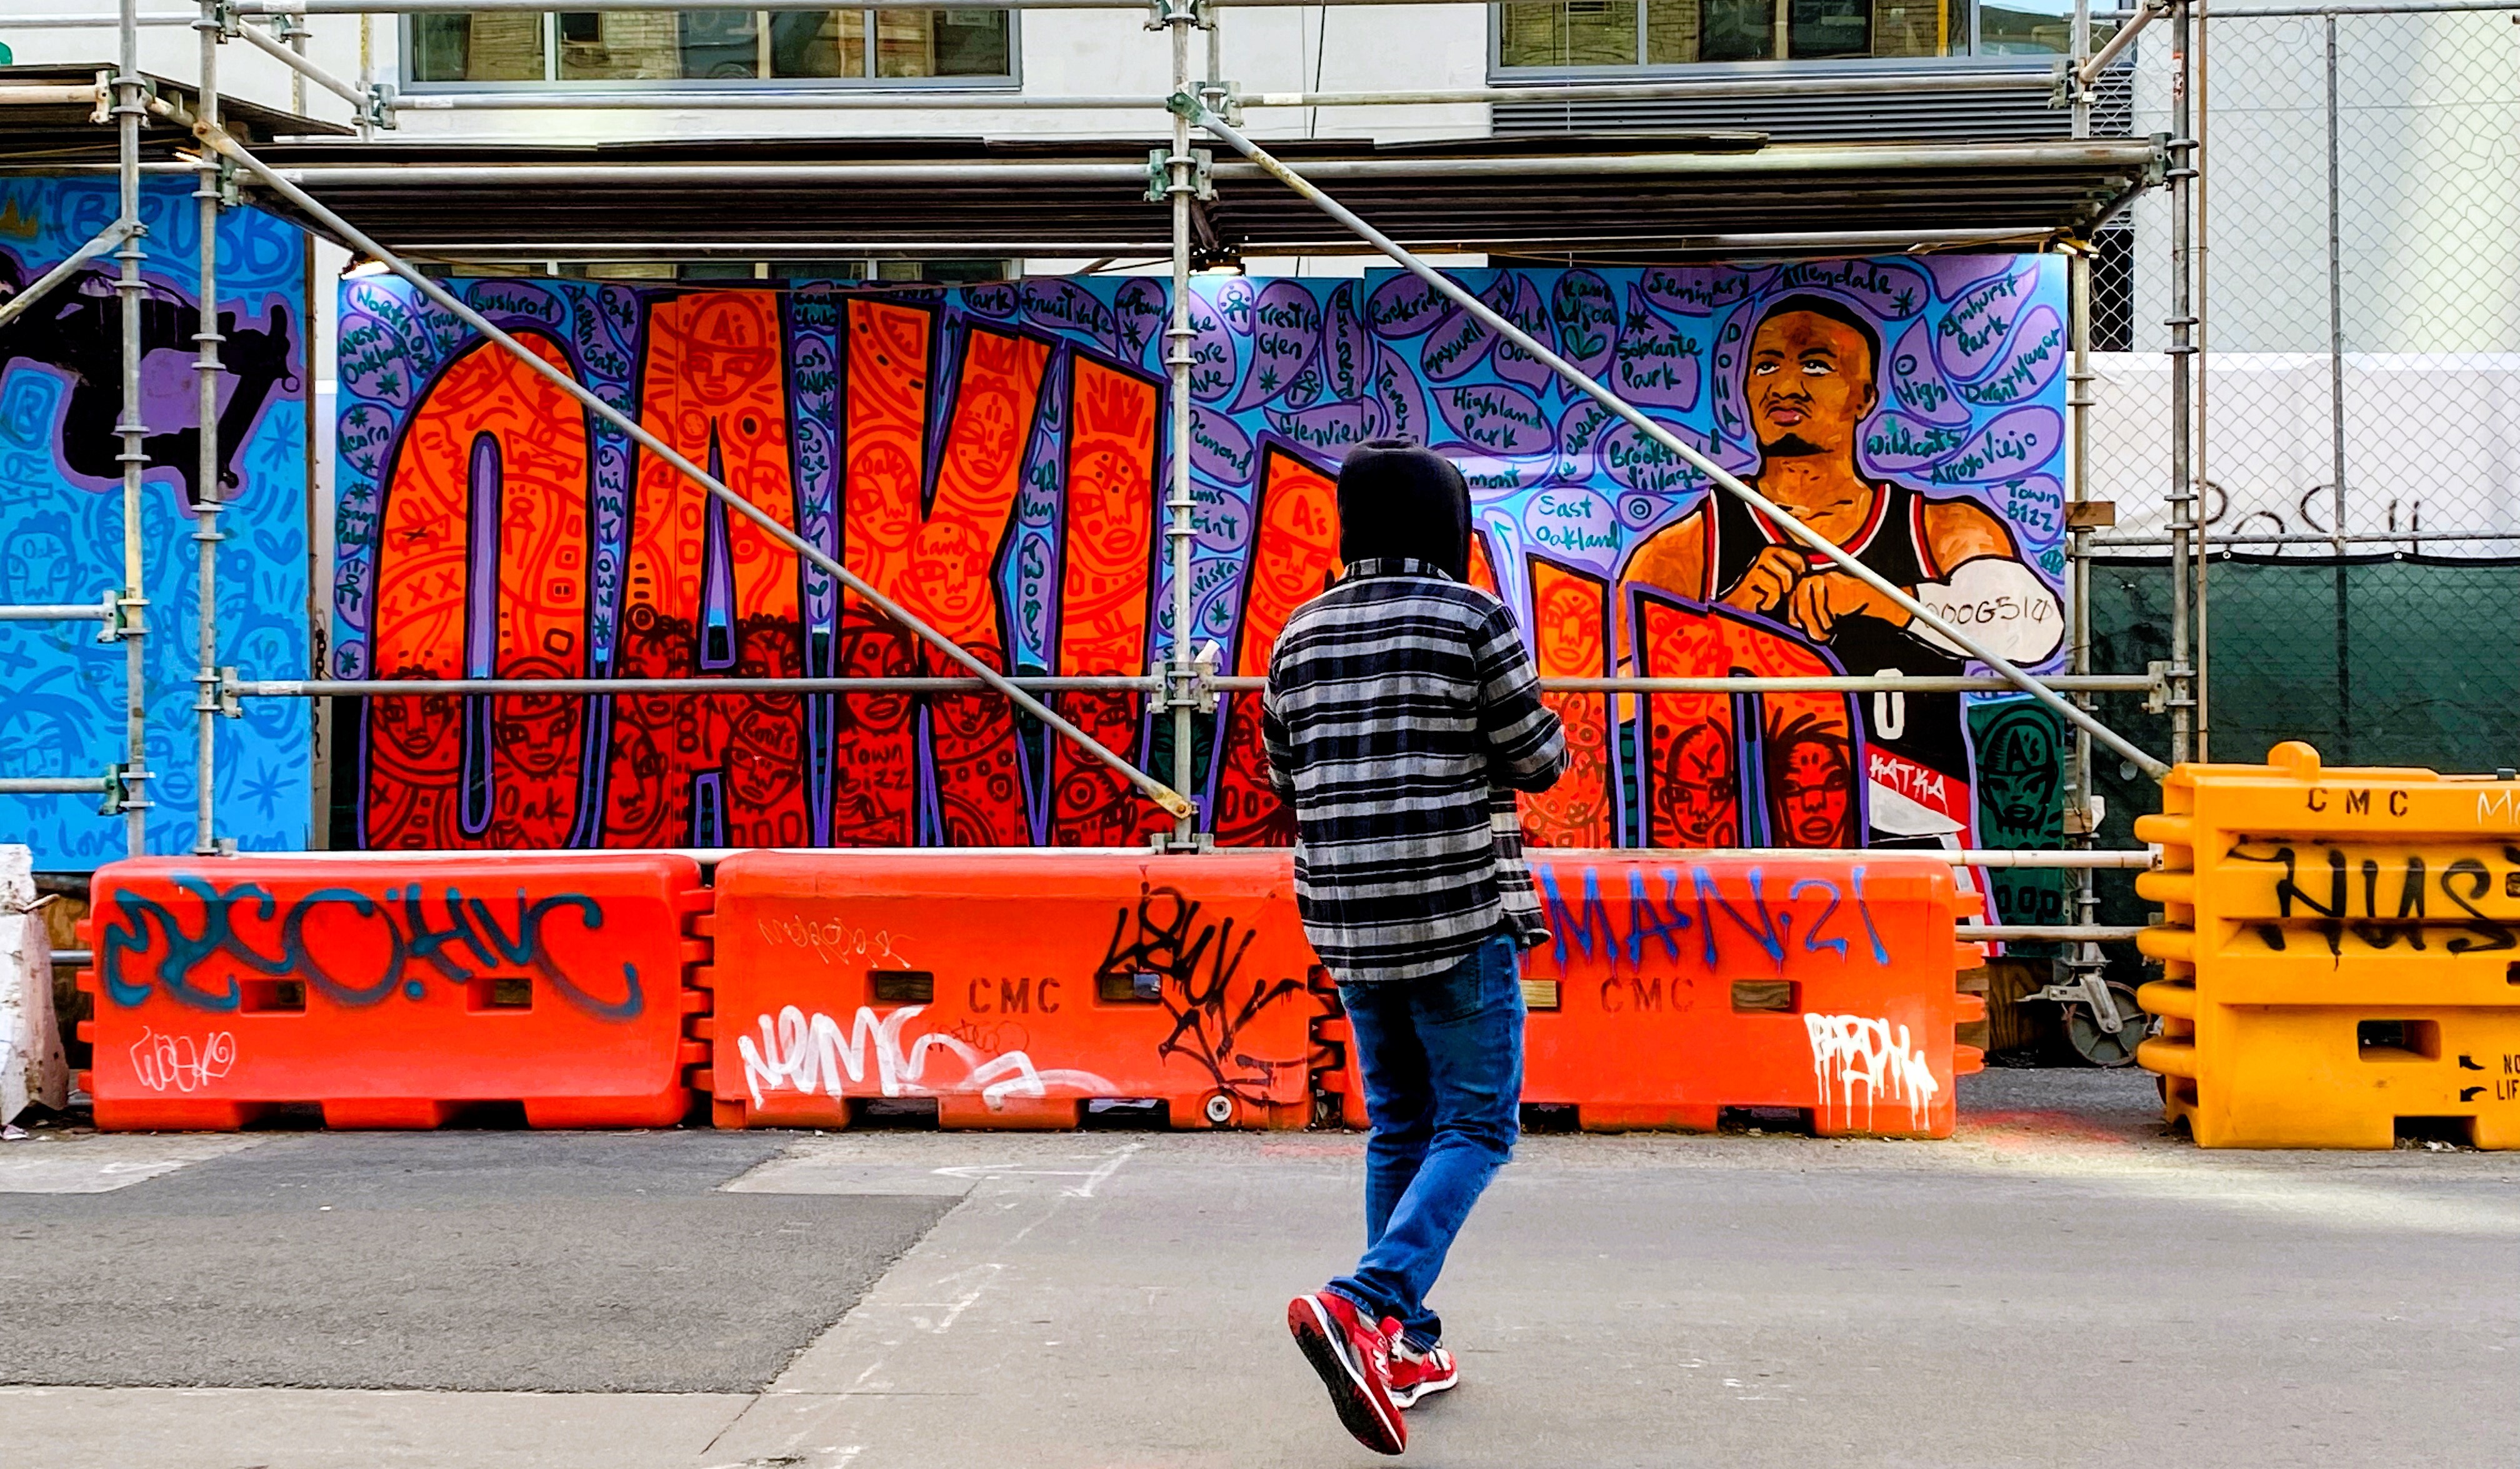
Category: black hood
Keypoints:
(1397, 497)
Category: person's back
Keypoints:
(1402, 713)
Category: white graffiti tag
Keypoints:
(815, 1054)
(1853, 1050)
(179, 1061)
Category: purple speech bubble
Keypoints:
(1919, 385)
(1493, 474)
(1971, 333)
(1702, 290)
(1212, 364)
(2031, 359)
(1647, 464)
(1501, 420)
(1404, 306)
(1955, 274)
(1347, 348)
(1657, 365)
(1286, 332)
(1895, 442)
(1588, 320)
(375, 362)
(2017, 441)
(1057, 303)
(1219, 449)
(1398, 403)
(997, 300)
(1579, 437)
(1328, 430)
(1459, 342)
(1518, 301)
(1887, 288)
(1138, 307)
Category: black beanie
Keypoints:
(1397, 497)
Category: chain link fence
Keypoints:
(2360, 388)
(2360, 400)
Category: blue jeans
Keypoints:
(1442, 1059)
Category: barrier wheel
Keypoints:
(1219, 1108)
(2097, 1046)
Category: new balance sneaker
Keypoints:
(1414, 1374)
(1353, 1358)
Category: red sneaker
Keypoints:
(1415, 1374)
(1353, 1360)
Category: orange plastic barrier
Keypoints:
(392, 993)
(1675, 986)
(1011, 988)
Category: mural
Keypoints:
(61, 516)
(993, 456)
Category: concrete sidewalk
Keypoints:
(2059, 1285)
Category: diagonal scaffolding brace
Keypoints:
(225, 144)
(51, 280)
(1187, 104)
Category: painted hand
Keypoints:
(1769, 582)
(1823, 597)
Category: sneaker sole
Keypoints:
(1420, 1392)
(1317, 1334)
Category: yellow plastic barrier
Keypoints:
(2340, 953)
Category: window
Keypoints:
(714, 46)
(1589, 35)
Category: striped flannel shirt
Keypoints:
(1402, 714)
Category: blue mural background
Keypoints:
(61, 536)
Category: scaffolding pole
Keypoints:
(52, 279)
(130, 105)
(210, 494)
(226, 146)
(2183, 489)
(1181, 185)
(1188, 105)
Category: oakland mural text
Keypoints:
(994, 458)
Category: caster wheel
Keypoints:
(2099, 1047)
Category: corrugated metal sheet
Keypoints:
(1978, 115)
(1601, 196)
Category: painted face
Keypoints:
(727, 353)
(1818, 791)
(1809, 384)
(1699, 775)
(2021, 773)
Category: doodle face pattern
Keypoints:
(994, 458)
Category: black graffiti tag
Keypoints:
(1198, 965)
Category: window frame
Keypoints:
(702, 87)
(1972, 60)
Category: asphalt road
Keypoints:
(2062, 1285)
(458, 1261)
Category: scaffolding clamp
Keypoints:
(377, 108)
(2156, 700)
(103, 112)
(1166, 844)
(230, 704)
(1159, 175)
(1196, 690)
(1222, 98)
(121, 793)
(1163, 12)
(122, 617)
(110, 617)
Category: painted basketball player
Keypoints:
(1809, 384)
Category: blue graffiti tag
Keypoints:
(403, 916)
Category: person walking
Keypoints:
(1402, 713)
